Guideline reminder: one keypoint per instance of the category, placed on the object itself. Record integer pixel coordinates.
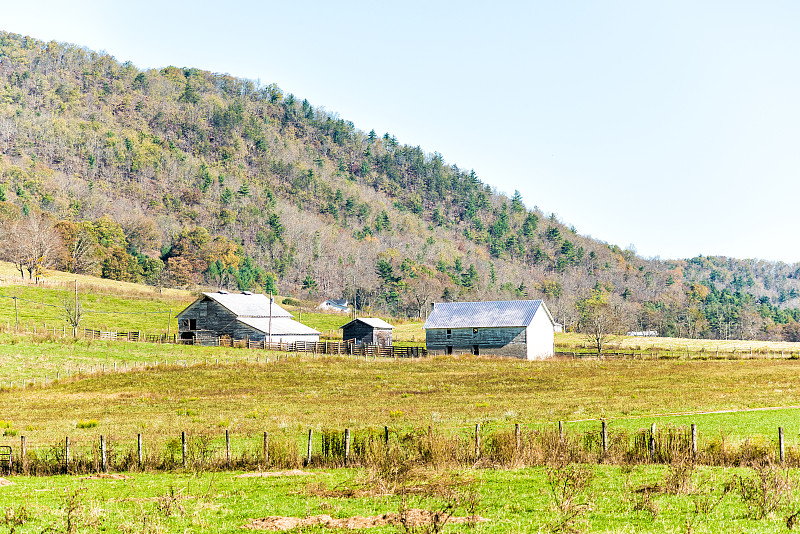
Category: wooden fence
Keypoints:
(306, 347)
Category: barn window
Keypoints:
(192, 324)
(449, 334)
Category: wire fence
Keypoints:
(493, 445)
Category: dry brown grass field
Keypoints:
(297, 393)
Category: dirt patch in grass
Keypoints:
(413, 518)
(265, 474)
(5, 482)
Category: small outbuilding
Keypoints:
(368, 330)
(517, 328)
(239, 316)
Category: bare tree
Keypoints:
(32, 244)
(72, 311)
(600, 320)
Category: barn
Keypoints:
(368, 330)
(239, 316)
(339, 305)
(517, 328)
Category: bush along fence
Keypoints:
(374, 448)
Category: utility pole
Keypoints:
(75, 312)
(270, 320)
(169, 323)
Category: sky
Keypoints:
(668, 127)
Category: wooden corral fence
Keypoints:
(307, 347)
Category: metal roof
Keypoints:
(247, 305)
(280, 326)
(374, 322)
(483, 314)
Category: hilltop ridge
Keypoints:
(182, 177)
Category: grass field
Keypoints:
(612, 499)
(335, 392)
(206, 391)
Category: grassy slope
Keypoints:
(124, 306)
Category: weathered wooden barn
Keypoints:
(516, 328)
(240, 316)
(368, 330)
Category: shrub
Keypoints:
(764, 491)
(91, 423)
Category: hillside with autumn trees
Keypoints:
(186, 178)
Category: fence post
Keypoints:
(266, 449)
(346, 446)
(653, 442)
(694, 439)
(103, 462)
(23, 454)
(66, 454)
(386, 435)
(183, 447)
(310, 441)
(139, 449)
(517, 437)
(477, 441)
(604, 431)
(780, 444)
(561, 431)
(228, 448)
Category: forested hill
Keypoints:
(188, 178)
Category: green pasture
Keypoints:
(42, 309)
(613, 499)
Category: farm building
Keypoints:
(368, 330)
(239, 316)
(517, 328)
(339, 305)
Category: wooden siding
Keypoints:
(212, 318)
(500, 341)
(364, 333)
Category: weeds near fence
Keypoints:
(764, 490)
(386, 452)
(568, 484)
(14, 518)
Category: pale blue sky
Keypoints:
(672, 126)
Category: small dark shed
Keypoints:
(369, 330)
